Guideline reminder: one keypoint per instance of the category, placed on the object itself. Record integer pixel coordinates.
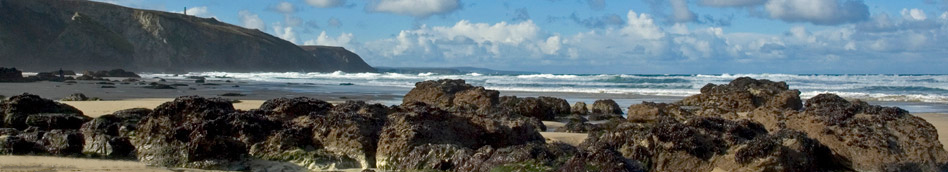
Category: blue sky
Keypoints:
(608, 36)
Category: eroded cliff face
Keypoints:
(40, 35)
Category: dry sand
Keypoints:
(940, 121)
(45, 163)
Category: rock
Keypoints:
(18, 108)
(111, 73)
(526, 157)
(50, 121)
(286, 109)
(76, 97)
(108, 136)
(233, 95)
(606, 106)
(707, 143)
(159, 86)
(195, 132)
(352, 131)
(419, 132)
(579, 108)
(87, 77)
(745, 94)
(651, 112)
(873, 138)
(452, 94)
(63, 142)
(601, 159)
(11, 75)
(577, 124)
(543, 108)
(46, 76)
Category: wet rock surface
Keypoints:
(543, 108)
(745, 94)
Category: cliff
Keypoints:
(43, 35)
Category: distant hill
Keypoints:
(45, 35)
(450, 70)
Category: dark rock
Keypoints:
(63, 142)
(606, 106)
(746, 94)
(577, 124)
(195, 132)
(107, 86)
(159, 86)
(452, 94)
(17, 109)
(233, 95)
(527, 157)
(874, 138)
(543, 108)
(600, 117)
(11, 75)
(650, 112)
(108, 135)
(111, 73)
(76, 97)
(601, 159)
(417, 133)
(706, 143)
(579, 108)
(46, 76)
(50, 121)
(87, 77)
(284, 108)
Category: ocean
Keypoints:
(917, 93)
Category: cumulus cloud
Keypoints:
(642, 25)
(914, 14)
(326, 3)
(731, 3)
(414, 8)
(342, 40)
(820, 12)
(251, 20)
(284, 32)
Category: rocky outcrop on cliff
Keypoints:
(86, 35)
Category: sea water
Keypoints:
(917, 93)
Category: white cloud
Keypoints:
(285, 7)
(643, 26)
(820, 12)
(285, 33)
(251, 20)
(414, 8)
(326, 3)
(342, 40)
(731, 3)
(914, 14)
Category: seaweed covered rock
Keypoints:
(53, 142)
(452, 94)
(17, 109)
(417, 133)
(601, 159)
(285, 108)
(874, 138)
(108, 136)
(111, 73)
(706, 143)
(577, 124)
(745, 94)
(78, 97)
(651, 112)
(50, 121)
(543, 108)
(196, 132)
(351, 129)
(606, 106)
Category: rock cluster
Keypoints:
(111, 73)
(447, 125)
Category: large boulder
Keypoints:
(53, 142)
(108, 136)
(417, 133)
(17, 109)
(452, 94)
(579, 108)
(290, 108)
(708, 143)
(196, 132)
(874, 138)
(11, 75)
(543, 108)
(606, 106)
(745, 94)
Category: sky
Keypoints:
(608, 36)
